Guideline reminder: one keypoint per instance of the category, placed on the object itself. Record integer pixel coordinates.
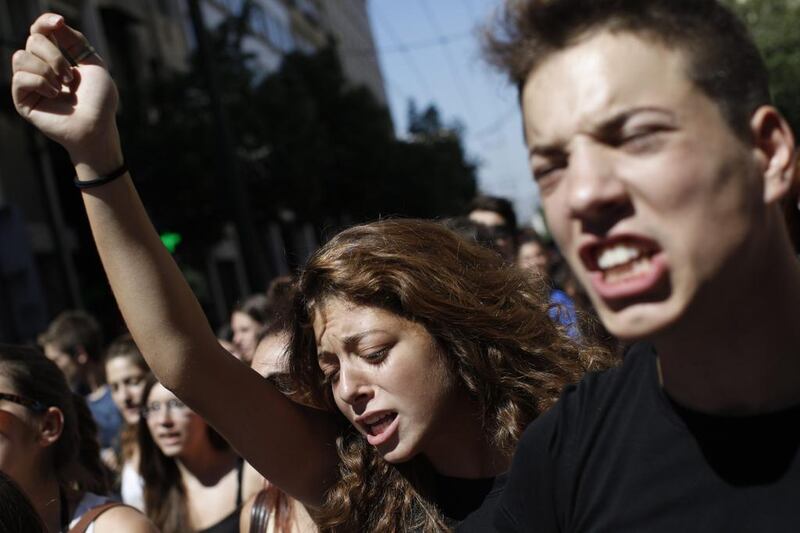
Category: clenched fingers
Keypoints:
(39, 46)
(28, 89)
(24, 61)
(52, 26)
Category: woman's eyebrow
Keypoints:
(349, 343)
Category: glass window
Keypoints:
(271, 28)
(233, 6)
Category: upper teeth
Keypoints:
(616, 255)
(375, 418)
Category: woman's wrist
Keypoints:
(96, 158)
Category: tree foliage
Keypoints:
(774, 26)
(305, 139)
(333, 152)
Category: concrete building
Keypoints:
(281, 26)
(42, 233)
(349, 25)
(47, 258)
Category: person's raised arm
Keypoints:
(76, 107)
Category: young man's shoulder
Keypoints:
(616, 454)
(587, 419)
(599, 392)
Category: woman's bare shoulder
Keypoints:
(123, 518)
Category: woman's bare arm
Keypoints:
(289, 444)
(123, 518)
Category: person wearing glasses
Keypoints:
(48, 446)
(192, 478)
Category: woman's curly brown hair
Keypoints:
(491, 321)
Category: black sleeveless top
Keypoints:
(230, 524)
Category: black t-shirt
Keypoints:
(474, 500)
(615, 454)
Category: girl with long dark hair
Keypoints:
(192, 479)
(48, 446)
(126, 374)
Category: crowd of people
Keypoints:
(639, 372)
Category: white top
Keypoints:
(132, 487)
(89, 501)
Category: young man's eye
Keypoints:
(544, 172)
(635, 137)
(641, 140)
(547, 177)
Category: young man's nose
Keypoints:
(596, 195)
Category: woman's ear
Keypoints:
(774, 144)
(52, 425)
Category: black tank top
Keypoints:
(230, 524)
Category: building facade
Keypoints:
(47, 258)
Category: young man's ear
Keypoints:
(51, 427)
(774, 143)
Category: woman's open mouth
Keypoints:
(380, 427)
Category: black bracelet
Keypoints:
(101, 180)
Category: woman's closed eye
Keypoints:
(376, 355)
(329, 374)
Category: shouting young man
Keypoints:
(662, 166)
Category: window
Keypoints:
(233, 6)
(308, 8)
(271, 28)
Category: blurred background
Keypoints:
(255, 129)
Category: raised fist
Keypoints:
(63, 87)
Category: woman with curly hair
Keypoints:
(424, 355)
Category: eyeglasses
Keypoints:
(170, 405)
(34, 405)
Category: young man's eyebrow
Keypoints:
(616, 121)
(603, 128)
(546, 150)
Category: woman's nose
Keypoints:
(353, 389)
